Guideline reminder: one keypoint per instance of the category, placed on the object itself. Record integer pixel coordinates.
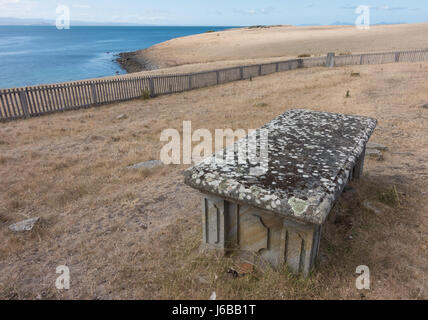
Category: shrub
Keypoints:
(261, 105)
(146, 94)
(390, 197)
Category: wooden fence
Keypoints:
(38, 100)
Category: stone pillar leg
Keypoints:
(301, 246)
(219, 224)
(359, 167)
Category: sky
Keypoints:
(220, 12)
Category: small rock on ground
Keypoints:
(375, 154)
(202, 280)
(376, 146)
(147, 164)
(121, 117)
(26, 225)
(372, 207)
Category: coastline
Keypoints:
(137, 61)
(134, 61)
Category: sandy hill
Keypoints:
(280, 41)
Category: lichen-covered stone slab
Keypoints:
(310, 158)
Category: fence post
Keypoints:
(94, 93)
(151, 87)
(277, 67)
(330, 60)
(397, 56)
(190, 82)
(241, 71)
(260, 70)
(218, 77)
(299, 63)
(24, 102)
(361, 59)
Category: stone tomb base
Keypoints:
(259, 236)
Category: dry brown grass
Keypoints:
(352, 235)
(136, 233)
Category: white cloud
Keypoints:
(384, 8)
(17, 5)
(8, 2)
(81, 6)
(388, 8)
(253, 12)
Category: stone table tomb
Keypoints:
(272, 210)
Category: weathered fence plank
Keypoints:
(2, 113)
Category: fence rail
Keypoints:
(39, 100)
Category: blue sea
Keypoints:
(40, 55)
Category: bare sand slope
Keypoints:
(283, 41)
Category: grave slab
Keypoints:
(272, 210)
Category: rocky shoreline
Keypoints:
(135, 62)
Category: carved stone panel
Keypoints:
(301, 246)
(261, 234)
(219, 223)
(295, 250)
(213, 222)
(253, 234)
(231, 221)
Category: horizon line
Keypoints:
(41, 22)
(118, 24)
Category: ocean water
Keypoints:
(40, 55)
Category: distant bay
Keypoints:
(31, 55)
